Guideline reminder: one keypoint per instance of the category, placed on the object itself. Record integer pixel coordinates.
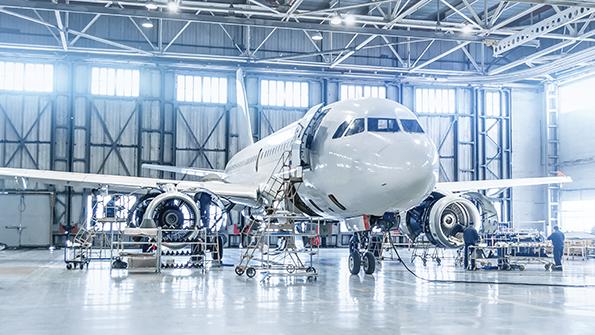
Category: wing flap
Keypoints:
(128, 183)
(203, 174)
(476, 185)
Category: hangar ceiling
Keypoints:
(455, 40)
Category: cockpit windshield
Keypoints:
(357, 126)
(377, 125)
(411, 126)
(383, 125)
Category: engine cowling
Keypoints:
(442, 218)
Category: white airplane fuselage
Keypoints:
(380, 160)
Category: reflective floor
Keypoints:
(39, 296)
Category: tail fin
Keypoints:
(244, 120)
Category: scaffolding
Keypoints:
(552, 153)
(296, 235)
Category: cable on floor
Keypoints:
(453, 281)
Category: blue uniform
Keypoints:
(471, 237)
(557, 238)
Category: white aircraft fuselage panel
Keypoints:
(382, 161)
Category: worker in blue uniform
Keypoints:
(471, 238)
(557, 238)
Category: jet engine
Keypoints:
(443, 218)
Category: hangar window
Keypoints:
(411, 126)
(383, 125)
(361, 91)
(435, 100)
(284, 93)
(26, 77)
(115, 82)
(201, 89)
(493, 103)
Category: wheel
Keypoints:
(369, 263)
(521, 267)
(355, 262)
(69, 266)
(311, 269)
(82, 266)
(251, 272)
(290, 268)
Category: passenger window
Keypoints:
(383, 125)
(339, 132)
(411, 126)
(357, 126)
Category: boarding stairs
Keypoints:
(277, 222)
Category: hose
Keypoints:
(452, 281)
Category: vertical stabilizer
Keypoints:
(244, 120)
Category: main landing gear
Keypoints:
(360, 255)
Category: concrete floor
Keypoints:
(39, 296)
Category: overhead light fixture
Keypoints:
(317, 36)
(147, 24)
(151, 5)
(173, 5)
(467, 29)
(350, 19)
(336, 20)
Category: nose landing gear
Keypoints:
(361, 258)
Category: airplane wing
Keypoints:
(476, 185)
(203, 174)
(128, 183)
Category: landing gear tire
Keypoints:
(369, 263)
(69, 266)
(250, 272)
(239, 270)
(355, 262)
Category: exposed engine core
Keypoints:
(442, 218)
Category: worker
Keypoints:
(471, 238)
(557, 238)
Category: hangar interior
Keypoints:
(501, 87)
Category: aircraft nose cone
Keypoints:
(413, 170)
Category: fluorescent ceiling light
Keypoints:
(336, 20)
(173, 6)
(349, 19)
(147, 24)
(467, 29)
(317, 36)
(151, 5)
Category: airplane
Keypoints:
(366, 162)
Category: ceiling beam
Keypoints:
(240, 21)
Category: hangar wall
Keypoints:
(70, 129)
(577, 140)
(529, 208)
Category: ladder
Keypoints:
(278, 193)
(552, 153)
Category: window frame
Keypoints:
(363, 120)
(27, 72)
(134, 90)
(387, 130)
(269, 96)
(196, 89)
(359, 91)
